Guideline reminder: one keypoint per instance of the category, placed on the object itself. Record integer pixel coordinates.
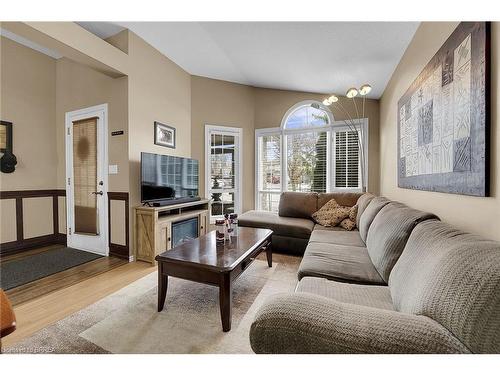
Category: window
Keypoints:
(346, 159)
(269, 169)
(222, 170)
(309, 153)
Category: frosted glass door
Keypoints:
(85, 176)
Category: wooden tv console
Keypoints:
(153, 226)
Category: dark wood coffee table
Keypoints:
(204, 261)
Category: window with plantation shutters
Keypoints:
(309, 153)
(346, 159)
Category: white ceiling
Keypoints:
(322, 57)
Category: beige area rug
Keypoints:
(127, 321)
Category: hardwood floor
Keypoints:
(33, 315)
(63, 279)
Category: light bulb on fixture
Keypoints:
(365, 89)
(333, 99)
(326, 102)
(351, 93)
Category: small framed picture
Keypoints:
(5, 136)
(164, 135)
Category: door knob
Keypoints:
(98, 193)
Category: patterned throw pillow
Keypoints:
(331, 214)
(353, 214)
(348, 224)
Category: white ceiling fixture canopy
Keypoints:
(319, 57)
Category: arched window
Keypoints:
(310, 152)
(307, 114)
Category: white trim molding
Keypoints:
(96, 244)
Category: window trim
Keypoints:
(331, 128)
(307, 103)
(238, 167)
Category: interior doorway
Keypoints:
(86, 179)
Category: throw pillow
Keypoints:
(353, 214)
(331, 214)
(348, 224)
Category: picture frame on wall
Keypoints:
(164, 135)
(444, 118)
(5, 136)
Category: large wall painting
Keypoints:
(443, 118)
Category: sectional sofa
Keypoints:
(404, 282)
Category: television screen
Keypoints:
(168, 177)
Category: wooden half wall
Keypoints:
(41, 229)
(36, 218)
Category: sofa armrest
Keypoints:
(306, 323)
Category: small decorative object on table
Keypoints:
(233, 222)
(220, 234)
(164, 135)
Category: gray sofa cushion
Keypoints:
(362, 203)
(308, 323)
(366, 295)
(343, 199)
(340, 263)
(285, 226)
(369, 213)
(298, 205)
(289, 245)
(336, 235)
(389, 232)
(452, 277)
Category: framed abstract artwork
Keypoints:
(164, 135)
(444, 116)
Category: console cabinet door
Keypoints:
(165, 242)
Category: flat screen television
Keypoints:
(168, 179)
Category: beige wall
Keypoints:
(28, 97)
(37, 91)
(77, 87)
(475, 214)
(28, 100)
(7, 220)
(74, 42)
(158, 90)
(271, 105)
(223, 103)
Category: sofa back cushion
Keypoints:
(362, 203)
(369, 213)
(293, 204)
(388, 233)
(343, 199)
(452, 277)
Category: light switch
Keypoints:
(113, 169)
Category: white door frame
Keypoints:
(238, 132)
(99, 245)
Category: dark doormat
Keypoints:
(22, 271)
